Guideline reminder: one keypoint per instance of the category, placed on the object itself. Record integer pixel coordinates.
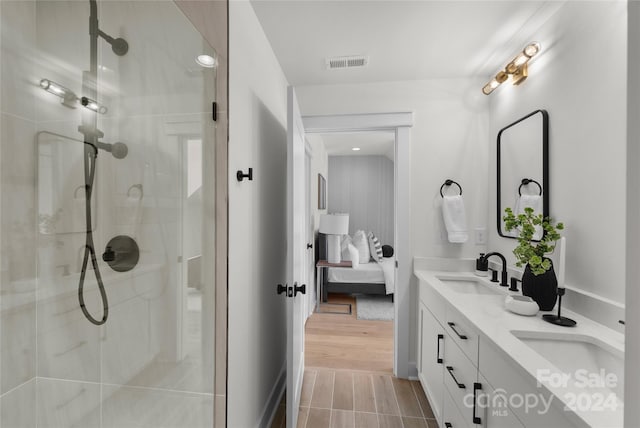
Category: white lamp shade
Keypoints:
(334, 224)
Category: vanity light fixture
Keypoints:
(93, 105)
(517, 68)
(69, 98)
(356, 149)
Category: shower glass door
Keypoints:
(119, 130)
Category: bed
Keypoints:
(368, 278)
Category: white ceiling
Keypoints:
(370, 143)
(404, 40)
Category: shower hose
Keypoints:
(90, 159)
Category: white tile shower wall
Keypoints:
(17, 196)
(587, 143)
(63, 403)
(147, 92)
(17, 407)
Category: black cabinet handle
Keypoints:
(453, 327)
(476, 387)
(438, 359)
(282, 288)
(309, 246)
(448, 425)
(460, 385)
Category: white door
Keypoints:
(309, 226)
(296, 235)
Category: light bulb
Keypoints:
(532, 49)
(93, 105)
(356, 149)
(206, 61)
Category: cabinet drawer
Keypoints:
(463, 334)
(503, 375)
(459, 376)
(451, 416)
(492, 407)
(432, 300)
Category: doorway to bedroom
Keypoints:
(351, 180)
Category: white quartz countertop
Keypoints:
(495, 325)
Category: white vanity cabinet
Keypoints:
(448, 357)
(469, 381)
(431, 358)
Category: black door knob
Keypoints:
(282, 288)
(301, 289)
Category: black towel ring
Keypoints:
(449, 182)
(526, 181)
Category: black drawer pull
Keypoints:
(453, 327)
(448, 425)
(460, 385)
(438, 359)
(476, 387)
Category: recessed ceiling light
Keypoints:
(206, 61)
(356, 149)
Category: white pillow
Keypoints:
(361, 243)
(344, 247)
(374, 247)
(354, 256)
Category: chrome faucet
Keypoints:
(503, 282)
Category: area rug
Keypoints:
(374, 307)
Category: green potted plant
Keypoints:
(539, 279)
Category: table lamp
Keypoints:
(334, 226)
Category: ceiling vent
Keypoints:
(341, 62)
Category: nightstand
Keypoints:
(321, 266)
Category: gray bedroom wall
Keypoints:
(363, 187)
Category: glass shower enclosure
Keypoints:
(107, 217)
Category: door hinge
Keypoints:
(214, 111)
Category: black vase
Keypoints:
(543, 289)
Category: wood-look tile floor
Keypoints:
(356, 399)
(348, 381)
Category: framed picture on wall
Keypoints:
(322, 193)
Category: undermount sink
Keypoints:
(585, 360)
(468, 286)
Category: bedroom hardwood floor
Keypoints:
(339, 341)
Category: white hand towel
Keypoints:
(534, 202)
(455, 219)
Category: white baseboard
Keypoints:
(271, 406)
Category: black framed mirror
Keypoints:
(523, 168)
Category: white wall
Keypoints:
(319, 165)
(632, 344)
(363, 186)
(449, 139)
(257, 250)
(580, 79)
